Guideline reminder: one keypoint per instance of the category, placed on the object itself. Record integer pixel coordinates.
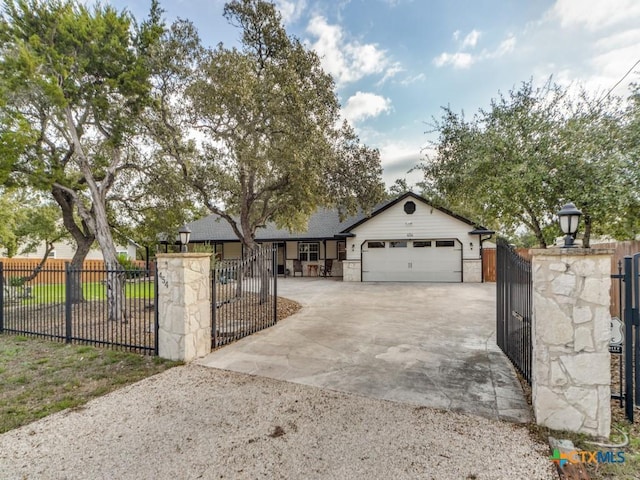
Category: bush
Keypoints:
(15, 281)
(131, 270)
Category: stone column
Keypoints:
(184, 305)
(571, 332)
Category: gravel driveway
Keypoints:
(195, 422)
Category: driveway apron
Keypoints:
(419, 343)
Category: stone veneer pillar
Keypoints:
(571, 332)
(184, 305)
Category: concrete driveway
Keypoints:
(423, 344)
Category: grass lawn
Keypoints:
(38, 378)
(55, 293)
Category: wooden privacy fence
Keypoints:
(53, 271)
(621, 249)
(489, 262)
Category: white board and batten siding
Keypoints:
(428, 245)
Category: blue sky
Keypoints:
(397, 62)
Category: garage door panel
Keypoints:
(424, 262)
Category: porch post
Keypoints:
(184, 305)
(571, 330)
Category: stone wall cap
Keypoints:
(183, 255)
(574, 252)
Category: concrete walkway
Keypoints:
(423, 344)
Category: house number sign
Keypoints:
(617, 336)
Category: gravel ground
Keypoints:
(194, 422)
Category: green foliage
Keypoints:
(515, 164)
(15, 281)
(79, 76)
(271, 149)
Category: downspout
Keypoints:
(481, 240)
(365, 241)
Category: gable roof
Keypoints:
(323, 224)
(414, 196)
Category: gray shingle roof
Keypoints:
(324, 223)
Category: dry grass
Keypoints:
(38, 378)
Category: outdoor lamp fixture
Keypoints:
(569, 217)
(185, 234)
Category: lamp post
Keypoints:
(569, 217)
(185, 234)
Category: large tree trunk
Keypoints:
(98, 221)
(83, 245)
(82, 236)
(116, 307)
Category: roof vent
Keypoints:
(409, 208)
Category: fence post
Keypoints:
(1, 297)
(184, 305)
(274, 253)
(571, 334)
(628, 337)
(67, 303)
(156, 319)
(215, 274)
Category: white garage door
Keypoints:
(412, 261)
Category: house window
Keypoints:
(445, 243)
(421, 243)
(375, 244)
(308, 252)
(342, 251)
(401, 244)
(52, 254)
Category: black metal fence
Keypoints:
(626, 349)
(244, 296)
(514, 294)
(81, 306)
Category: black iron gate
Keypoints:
(626, 332)
(244, 296)
(513, 315)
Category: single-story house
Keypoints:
(403, 240)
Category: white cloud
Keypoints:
(348, 60)
(462, 60)
(594, 14)
(471, 40)
(456, 60)
(365, 105)
(608, 35)
(397, 158)
(291, 10)
(506, 46)
(413, 79)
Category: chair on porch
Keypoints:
(325, 270)
(297, 267)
